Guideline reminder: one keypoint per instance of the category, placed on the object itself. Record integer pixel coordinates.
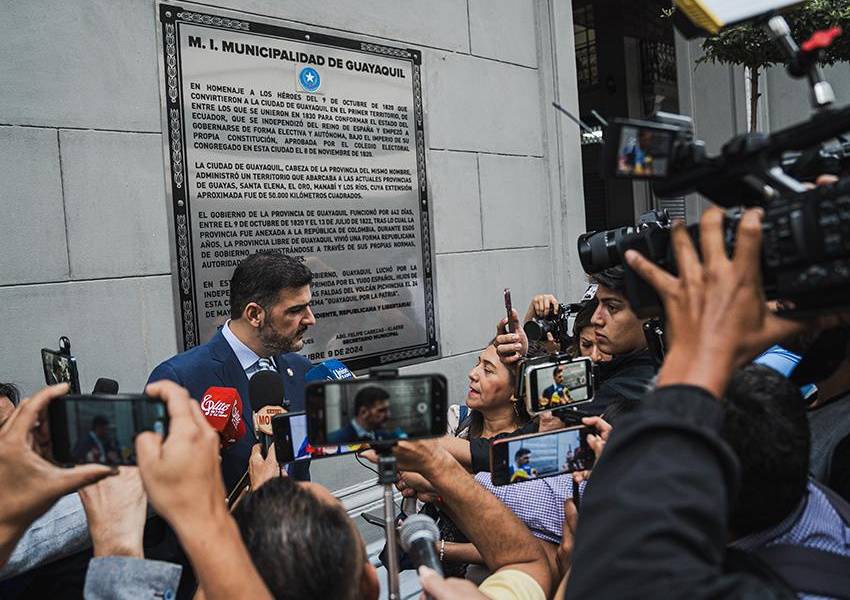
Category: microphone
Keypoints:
(104, 385)
(222, 408)
(418, 537)
(267, 400)
(328, 370)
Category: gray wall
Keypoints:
(85, 245)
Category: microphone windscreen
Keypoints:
(219, 405)
(267, 399)
(104, 385)
(328, 370)
(417, 527)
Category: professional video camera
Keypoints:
(806, 232)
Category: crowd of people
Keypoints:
(715, 475)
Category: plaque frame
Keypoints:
(169, 16)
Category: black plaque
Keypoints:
(304, 143)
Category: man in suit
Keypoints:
(269, 314)
(371, 412)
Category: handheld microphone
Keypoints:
(328, 370)
(104, 385)
(222, 408)
(418, 537)
(267, 400)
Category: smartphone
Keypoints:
(508, 307)
(557, 381)
(102, 428)
(60, 367)
(290, 440)
(378, 409)
(537, 455)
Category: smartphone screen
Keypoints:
(60, 367)
(350, 411)
(102, 428)
(540, 455)
(559, 382)
(291, 444)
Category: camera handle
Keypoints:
(388, 477)
(804, 62)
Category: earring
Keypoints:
(516, 410)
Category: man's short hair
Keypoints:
(765, 424)
(558, 369)
(261, 277)
(613, 278)
(303, 547)
(368, 397)
(11, 391)
(520, 453)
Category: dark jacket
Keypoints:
(215, 364)
(625, 377)
(653, 521)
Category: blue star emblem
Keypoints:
(309, 79)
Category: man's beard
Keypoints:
(276, 343)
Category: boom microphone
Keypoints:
(328, 370)
(222, 408)
(104, 385)
(418, 537)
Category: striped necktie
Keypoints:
(265, 364)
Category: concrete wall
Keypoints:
(85, 245)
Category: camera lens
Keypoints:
(597, 250)
(536, 329)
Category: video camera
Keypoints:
(805, 232)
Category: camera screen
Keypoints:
(59, 368)
(303, 450)
(557, 385)
(388, 409)
(549, 454)
(643, 152)
(102, 429)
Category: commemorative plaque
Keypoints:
(304, 143)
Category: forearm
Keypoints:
(462, 553)
(475, 511)
(459, 449)
(217, 554)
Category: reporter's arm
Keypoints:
(511, 545)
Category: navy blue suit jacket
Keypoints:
(346, 435)
(215, 364)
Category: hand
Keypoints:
(116, 509)
(446, 589)
(511, 346)
(542, 305)
(716, 312)
(596, 441)
(260, 469)
(182, 475)
(414, 485)
(30, 484)
(422, 456)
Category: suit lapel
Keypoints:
(229, 370)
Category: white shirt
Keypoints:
(246, 357)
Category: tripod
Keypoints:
(388, 477)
